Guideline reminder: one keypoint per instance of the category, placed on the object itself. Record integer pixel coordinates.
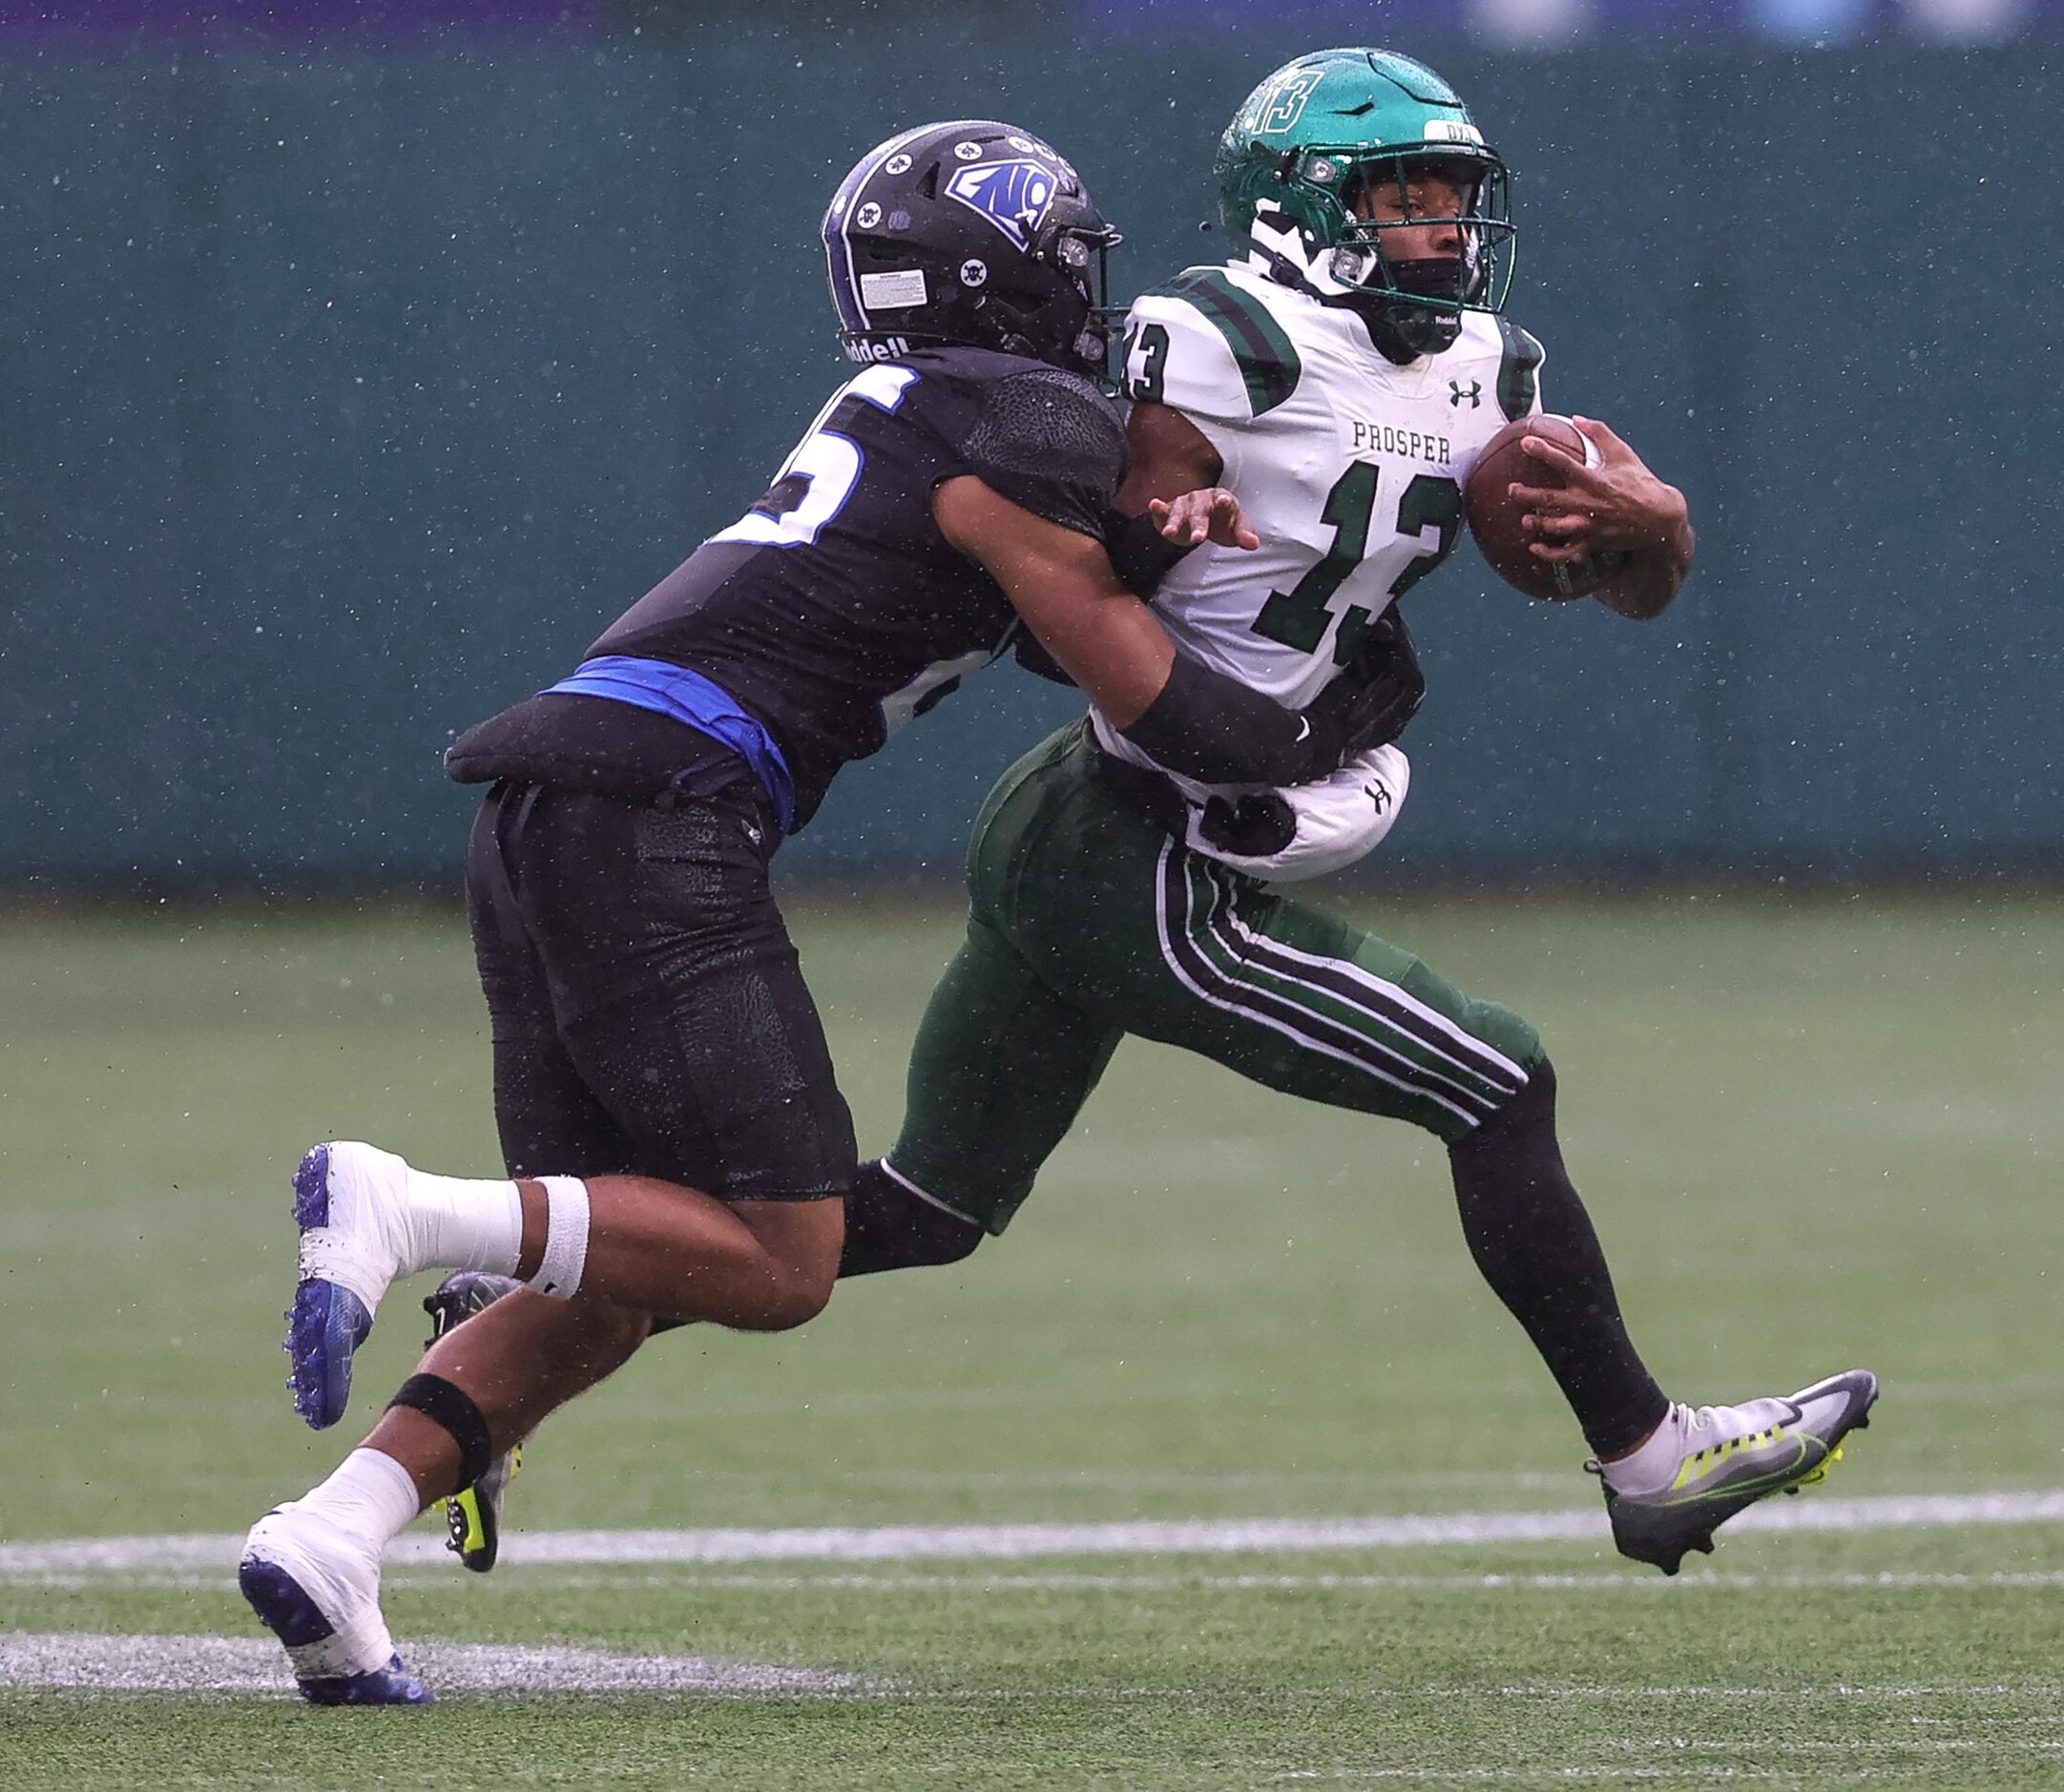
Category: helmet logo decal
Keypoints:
(1451, 131)
(1283, 105)
(968, 151)
(868, 216)
(897, 164)
(1014, 195)
(973, 273)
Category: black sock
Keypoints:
(888, 1227)
(1534, 1242)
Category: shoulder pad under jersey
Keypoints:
(1051, 443)
(1205, 345)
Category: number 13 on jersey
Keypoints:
(1299, 617)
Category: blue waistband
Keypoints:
(688, 696)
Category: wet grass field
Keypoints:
(1814, 1134)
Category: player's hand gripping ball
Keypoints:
(1497, 519)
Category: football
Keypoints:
(1495, 516)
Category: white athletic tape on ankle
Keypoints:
(566, 1237)
(358, 1644)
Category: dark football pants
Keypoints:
(1088, 922)
(649, 1014)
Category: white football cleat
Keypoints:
(1722, 1460)
(317, 1589)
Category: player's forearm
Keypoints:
(1170, 457)
(1140, 554)
(1209, 727)
(1661, 557)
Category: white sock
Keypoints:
(460, 1223)
(329, 1540)
(370, 1497)
(566, 1237)
(1654, 1465)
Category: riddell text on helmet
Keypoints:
(883, 348)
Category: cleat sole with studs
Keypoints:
(327, 1323)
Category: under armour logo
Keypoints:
(1475, 393)
(1379, 794)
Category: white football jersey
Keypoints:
(1348, 467)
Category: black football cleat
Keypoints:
(473, 1514)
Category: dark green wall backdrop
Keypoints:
(346, 400)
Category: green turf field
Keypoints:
(1813, 1135)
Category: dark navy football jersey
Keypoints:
(833, 611)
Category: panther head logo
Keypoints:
(1013, 195)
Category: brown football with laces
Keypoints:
(1497, 518)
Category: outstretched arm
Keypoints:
(1191, 719)
(1171, 500)
(1616, 506)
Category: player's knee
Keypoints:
(796, 1261)
(795, 1293)
(1506, 1034)
(799, 1300)
(1529, 1110)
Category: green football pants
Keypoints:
(1087, 921)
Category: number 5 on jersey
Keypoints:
(816, 479)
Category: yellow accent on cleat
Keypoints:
(1727, 1475)
(471, 1514)
(1820, 1473)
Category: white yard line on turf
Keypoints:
(81, 1662)
(221, 1664)
(1013, 1542)
(985, 1584)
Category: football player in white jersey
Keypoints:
(1339, 378)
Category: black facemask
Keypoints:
(1404, 332)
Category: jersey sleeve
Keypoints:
(1205, 348)
(1052, 444)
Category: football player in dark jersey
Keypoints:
(675, 1142)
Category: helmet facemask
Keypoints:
(1073, 325)
(1413, 306)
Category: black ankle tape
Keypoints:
(452, 1407)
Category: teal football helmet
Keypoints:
(1323, 128)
